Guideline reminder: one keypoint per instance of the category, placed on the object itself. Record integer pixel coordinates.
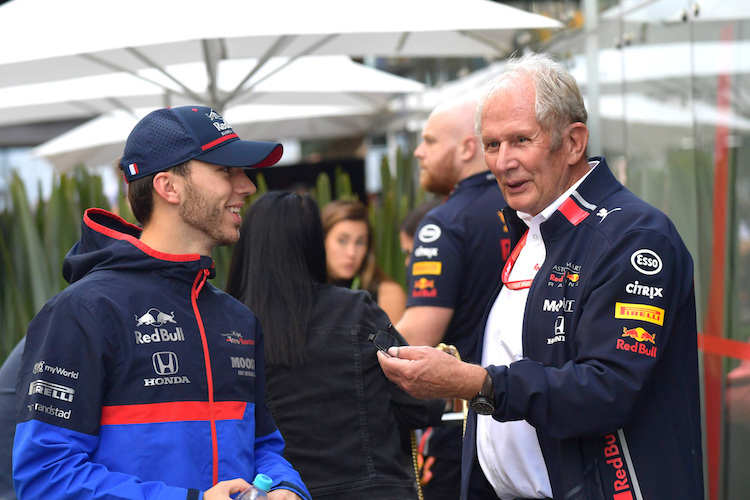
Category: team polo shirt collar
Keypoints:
(475, 180)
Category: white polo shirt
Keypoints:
(509, 452)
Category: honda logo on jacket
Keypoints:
(165, 364)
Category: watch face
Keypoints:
(482, 405)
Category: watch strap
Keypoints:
(488, 388)
(484, 402)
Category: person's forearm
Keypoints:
(472, 382)
(422, 325)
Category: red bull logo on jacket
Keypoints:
(424, 288)
(621, 484)
(639, 334)
(642, 337)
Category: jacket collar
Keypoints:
(579, 206)
(109, 242)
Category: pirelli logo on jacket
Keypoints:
(428, 268)
(652, 314)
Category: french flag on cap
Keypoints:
(133, 168)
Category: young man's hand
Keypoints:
(223, 489)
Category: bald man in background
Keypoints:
(458, 254)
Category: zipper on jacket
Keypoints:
(200, 280)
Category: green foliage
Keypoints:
(33, 243)
(400, 194)
(323, 191)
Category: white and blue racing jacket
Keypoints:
(141, 380)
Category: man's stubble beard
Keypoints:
(199, 213)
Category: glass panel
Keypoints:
(721, 65)
(667, 88)
(595, 63)
(659, 127)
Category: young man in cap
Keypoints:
(141, 379)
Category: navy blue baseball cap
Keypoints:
(170, 136)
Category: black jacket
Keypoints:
(338, 413)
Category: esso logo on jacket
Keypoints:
(646, 261)
(429, 233)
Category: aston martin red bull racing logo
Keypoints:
(642, 338)
(424, 288)
(561, 275)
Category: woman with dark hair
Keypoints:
(351, 258)
(339, 415)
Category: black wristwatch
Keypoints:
(484, 402)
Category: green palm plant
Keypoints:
(400, 194)
(33, 243)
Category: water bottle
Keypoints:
(258, 490)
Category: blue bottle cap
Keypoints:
(263, 482)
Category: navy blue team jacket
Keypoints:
(141, 380)
(610, 372)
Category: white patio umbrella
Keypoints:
(55, 40)
(418, 105)
(324, 80)
(100, 141)
(676, 11)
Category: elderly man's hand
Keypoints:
(429, 373)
